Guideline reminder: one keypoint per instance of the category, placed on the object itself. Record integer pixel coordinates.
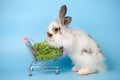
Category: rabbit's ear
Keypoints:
(66, 20)
(62, 12)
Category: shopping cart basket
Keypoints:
(42, 67)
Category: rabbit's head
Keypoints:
(58, 29)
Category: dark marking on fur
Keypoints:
(49, 34)
(90, 36)
(89, 51)
(100, 51)
(98, 46)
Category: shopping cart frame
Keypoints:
(28, 42)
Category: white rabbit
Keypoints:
(80, 47)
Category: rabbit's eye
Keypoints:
(56, 29)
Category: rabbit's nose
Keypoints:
(49, 34)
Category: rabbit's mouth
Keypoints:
(61, 47)
(54, 44)
(50, 40)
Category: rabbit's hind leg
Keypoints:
(85, 71)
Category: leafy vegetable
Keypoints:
(45, 52)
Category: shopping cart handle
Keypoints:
(24, 39)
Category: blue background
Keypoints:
(99, 18)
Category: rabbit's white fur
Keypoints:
(80, 47)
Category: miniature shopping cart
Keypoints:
(42, 66)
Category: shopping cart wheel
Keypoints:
(57, 71)
(30, 74)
